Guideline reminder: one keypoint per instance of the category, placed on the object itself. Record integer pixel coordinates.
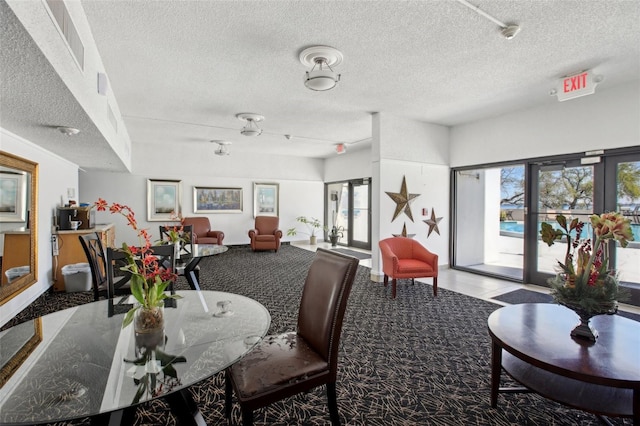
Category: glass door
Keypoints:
(623, 174)
(349, 210)
(565, 188)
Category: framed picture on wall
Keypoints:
(265, 199)
(164, 200)
(217, 200)
(13, 197)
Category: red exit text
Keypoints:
(575, 82)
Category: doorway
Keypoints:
(348, 209)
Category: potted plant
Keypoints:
(585, 282)
(148, 278)
(312, 225)
(335, 234)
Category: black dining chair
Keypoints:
(103, 285)
(185, 248)
(287, 364)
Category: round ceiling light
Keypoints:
(69, 131)
(251, 128)
(222, 147)
(510, 31)
(321, 59)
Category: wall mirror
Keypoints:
(18, 225)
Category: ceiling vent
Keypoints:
(61, 17)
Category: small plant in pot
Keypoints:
(335, 234)
(312, 225)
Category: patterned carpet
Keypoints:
(416, 360)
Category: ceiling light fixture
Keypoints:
(251, 128)
(69, 131)
(222, 147)
(321, 59)
(508, 31)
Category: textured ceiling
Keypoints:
(181, 70)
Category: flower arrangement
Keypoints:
(148, 278)
(585, 281)
(312, 225)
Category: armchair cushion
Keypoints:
(202, 233)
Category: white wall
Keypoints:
(352, 165)
(296, 198)
(418, 152)
(607, 119)
(55, 176)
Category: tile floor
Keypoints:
(479, 286)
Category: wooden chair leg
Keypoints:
(393, 288)
(333, 404)
(247, 417)
(435, 286)
(386, 280)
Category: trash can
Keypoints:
(77, 277)
(16, 272)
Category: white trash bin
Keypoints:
(16, 272)
(77, 277)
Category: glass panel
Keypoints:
(567, 191)
(489, 212)
(628, 202)
(361, 213)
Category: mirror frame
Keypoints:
(9, 291)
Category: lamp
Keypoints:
(222, 147)
(251, 128)
(321, 77)
(69, 131)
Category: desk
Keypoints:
(199, 251)
(531, 342)
(78, 368)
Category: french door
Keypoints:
(348, 207)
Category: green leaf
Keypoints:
(128, 319)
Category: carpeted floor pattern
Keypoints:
(415, 360)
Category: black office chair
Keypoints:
(97, 259)
(285, 365)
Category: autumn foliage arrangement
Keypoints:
(149, 279)
(585, 281)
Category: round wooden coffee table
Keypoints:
(532, 343)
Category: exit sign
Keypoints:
(577, 85)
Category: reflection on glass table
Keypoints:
(88, 365)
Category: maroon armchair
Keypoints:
(265, 235)
(406, 258)
(202, 233)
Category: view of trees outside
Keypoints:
(628, 184)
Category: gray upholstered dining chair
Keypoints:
(287, 364)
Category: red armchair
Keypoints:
(406, 258)
(202, 233)
(265, 235)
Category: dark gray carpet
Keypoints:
(415, 360)
(356, 254)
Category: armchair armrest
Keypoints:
(219, 235)
(278, 233)
(389, 260)
(421, 253)
(253, 233)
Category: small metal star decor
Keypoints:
(433, 223)
(402, 200)
(404, 232)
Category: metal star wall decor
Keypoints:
(402, 200)
(404, 232)
(433, 223)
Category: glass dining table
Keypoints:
(80, 362)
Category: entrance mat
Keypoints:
(354, 253)
(527, 296)
(524, 296)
